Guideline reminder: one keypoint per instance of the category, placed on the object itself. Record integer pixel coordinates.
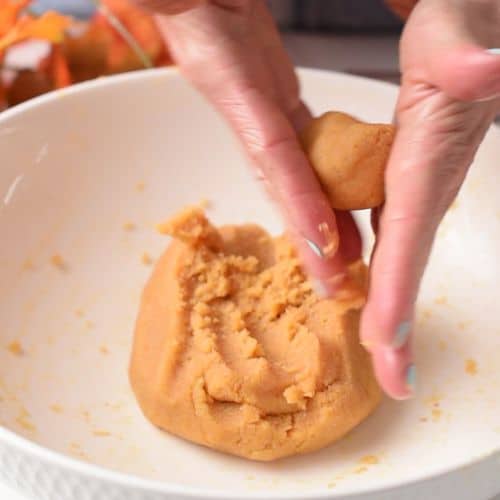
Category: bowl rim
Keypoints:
(120, 479)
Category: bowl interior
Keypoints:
(87, 172)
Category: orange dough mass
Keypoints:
(349, 157)
(233, 350)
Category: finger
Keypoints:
(467, 72)
(350, 241)
(395, 371)
(349, 236)
(446, 44)
(236, 85)
(433, 148)
(272, 142)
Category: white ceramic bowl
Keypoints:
(77, 168)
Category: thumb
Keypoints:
(450, 45)
(467, 72)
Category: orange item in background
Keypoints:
(50, 27)
(402, 8)
(141, 26)
(78, 52)
(9, 13)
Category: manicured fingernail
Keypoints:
(402, 333)
(411, 378)
(329, 244)
(314, 247)
(320, 289)
(329, 249)
(495, 52)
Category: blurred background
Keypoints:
(40, 52)
(345, 15)
(359, 36)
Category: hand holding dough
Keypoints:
(349, 157)
(233, 349)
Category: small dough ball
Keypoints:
(234, 351)
(349, 157)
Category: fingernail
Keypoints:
(402, 333)
(411, 378)
(331, 240)
(494, 85)
(314, 247)
(320, 289)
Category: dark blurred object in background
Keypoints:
(338, 15)
(370, 16)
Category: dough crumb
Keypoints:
(427, 313)
(140, 187)
(56, 408)
(205, 204)
(129, 226)
(24, 421)
(192, 228)
(361, 470)
(146, 259)
(28, 265)
(15, 348)
(58, 262)
(86, 415)
(369, 460)
(80, 313)
(433, 400)
(436, 414)
(441, 301)
(470, 367)
(103, 350)
(101, 433)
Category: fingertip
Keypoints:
(313, 226)
(386, 319)
(395, 371)
(469, 73)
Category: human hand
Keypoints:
(232, 52)
(446, 104)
